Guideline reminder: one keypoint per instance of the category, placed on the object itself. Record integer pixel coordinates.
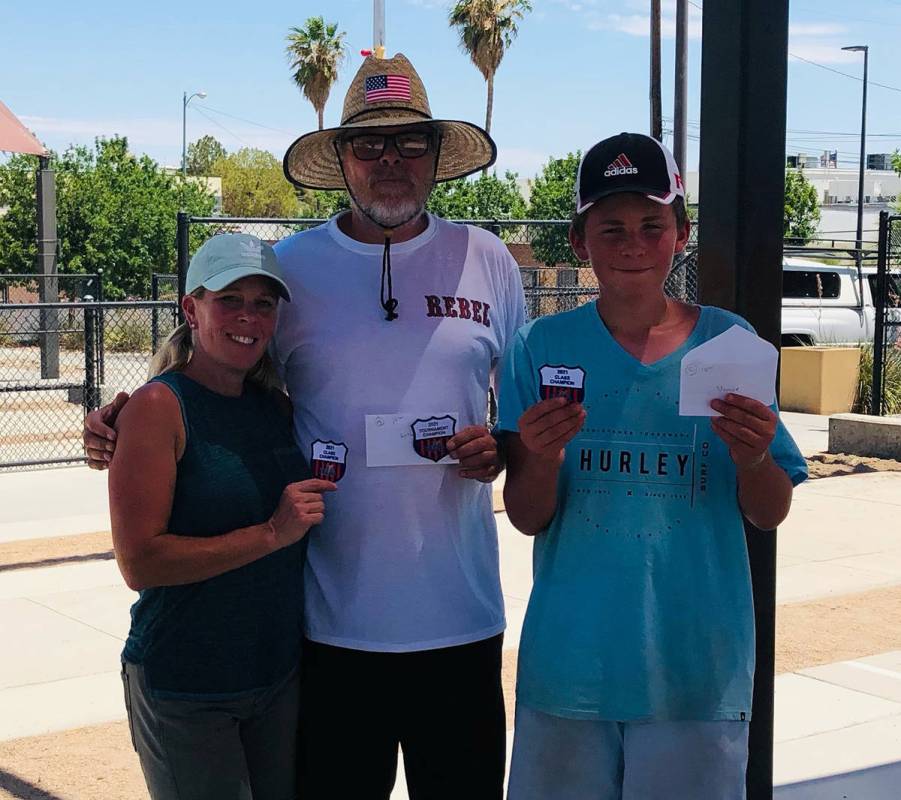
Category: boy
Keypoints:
(637, 654)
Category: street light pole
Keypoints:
(861, 48)
(185, 99)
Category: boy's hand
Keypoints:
(476, 450)
(747, 427)
(99, 437)
(547, 427)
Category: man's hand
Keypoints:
(548, 426)
(747, 427)
(98, 437)
(476, 450)
(300, 508)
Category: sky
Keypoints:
(577, 72)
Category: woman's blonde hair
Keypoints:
(175, 352)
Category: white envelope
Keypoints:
(737, 362)
(399, 440)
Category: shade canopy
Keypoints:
(15, 137)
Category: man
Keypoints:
(398, 322)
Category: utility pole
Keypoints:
(656, 108)
(680, 104)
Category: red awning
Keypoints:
(15, 137)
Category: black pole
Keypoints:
(680, 103)
(879, 328)
(182, 241)
(743, 102)
(90, 360)
(863, 153)
(154, 314)
(101, 330)
(656, 108)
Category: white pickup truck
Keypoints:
(821, 303)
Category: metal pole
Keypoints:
(743, 103)
(90, 365)
(680, 104)
(154, 316)
(378, 28)
(863, 153)
(861, 48)
(182, 244)
(656, 108)
(48, 280)
(184, 135)
(879, 328)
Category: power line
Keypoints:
(823, 66)
(220, 125)
(248, 121)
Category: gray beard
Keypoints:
(393, 215)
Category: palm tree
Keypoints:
(487, 28)
(316, 52)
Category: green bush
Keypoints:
(891, 393)
(127, 337)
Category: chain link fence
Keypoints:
(553, 278)
(58, 360)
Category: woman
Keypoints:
(209, 506)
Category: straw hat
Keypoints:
(387, 93)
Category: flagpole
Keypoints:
(378, 28)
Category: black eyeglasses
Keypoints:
(409, 144)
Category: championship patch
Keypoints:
(431, 435)
(558, 380)
(329, 460)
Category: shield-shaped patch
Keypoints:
(431, 435)
(329, 460)
(559, 380)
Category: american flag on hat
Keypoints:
(387, 87)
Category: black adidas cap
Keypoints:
(629, 162)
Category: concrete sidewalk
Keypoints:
(838, 727)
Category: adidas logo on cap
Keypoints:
(620, 166)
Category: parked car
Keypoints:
(821, 303)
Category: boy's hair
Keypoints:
(577, 223)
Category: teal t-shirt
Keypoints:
(641, 607)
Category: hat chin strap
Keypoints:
(389, 302)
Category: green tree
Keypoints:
(553, 197)
(203, 154)
(487, 28)
(116, 212)
(896, 161)
(322, 204)
(487, 197)
(316, 52)
(802, 208)
(253, 185)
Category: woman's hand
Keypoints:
(300, 508)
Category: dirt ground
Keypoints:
(97, 763)
(830, 465)
(28, 553)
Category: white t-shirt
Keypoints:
(406, 558)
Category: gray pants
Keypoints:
(219, 750)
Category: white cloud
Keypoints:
(822, 52)
(815, 29)
(159, 137)
(639, 24)
(522, 160)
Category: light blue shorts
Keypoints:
(555, 758)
